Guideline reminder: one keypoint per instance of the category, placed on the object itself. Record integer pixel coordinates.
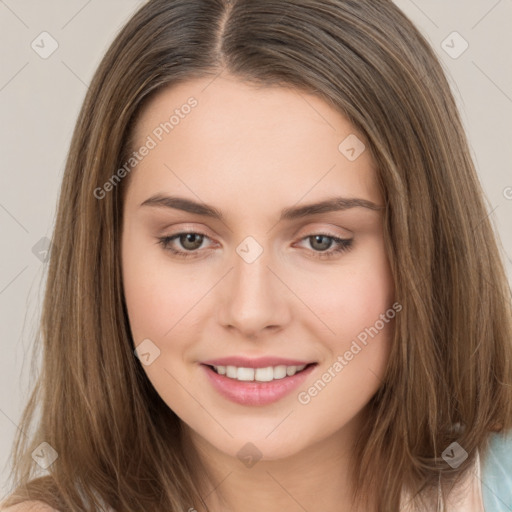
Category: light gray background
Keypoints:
(40, 99)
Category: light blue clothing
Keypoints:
(497, 474)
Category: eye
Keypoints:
(191, 241)
(321, 242)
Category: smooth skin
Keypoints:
(251, 152)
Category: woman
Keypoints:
(343, 322)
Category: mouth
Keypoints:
(264, 374)
(256, 386)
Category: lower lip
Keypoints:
(254, 392)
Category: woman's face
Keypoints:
(265, 287)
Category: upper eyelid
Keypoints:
(310, 231)
(175, 236)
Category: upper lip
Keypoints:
(258, 362)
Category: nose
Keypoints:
(254, 298)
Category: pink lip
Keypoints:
(252, 392)
(258, 362)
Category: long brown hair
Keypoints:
(451, 359)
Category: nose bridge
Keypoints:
(251, 272)
(253, 297)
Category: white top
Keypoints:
(467, 497)
(487, 486)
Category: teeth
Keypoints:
(259, 374)
(244, 373)
(291, 370)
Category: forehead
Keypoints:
(249, 142)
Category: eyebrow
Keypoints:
(295, 212)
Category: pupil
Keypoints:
(189, 238)
(326, 245)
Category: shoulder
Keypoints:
(29, 506)
(497, 473)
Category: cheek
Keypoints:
(360, 317)
(144, 296)
(354, 295)
(157, 297)
(356, 304)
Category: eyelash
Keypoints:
(343, 245)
